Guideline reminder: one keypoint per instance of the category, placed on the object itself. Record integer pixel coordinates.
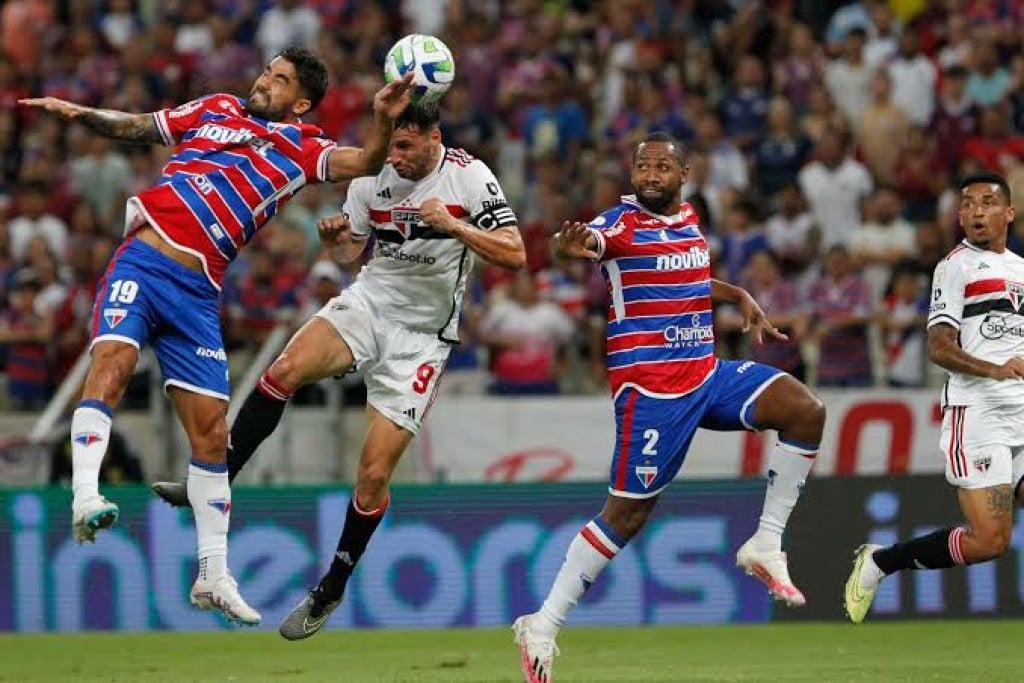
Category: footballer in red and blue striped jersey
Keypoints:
(661, 361)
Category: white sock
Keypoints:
(589, 553)
(210, 496)
(788, 467)
(90, 433)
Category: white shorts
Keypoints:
(983, 445)
(401, 367)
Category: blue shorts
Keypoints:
(148, 298)
(652, 435)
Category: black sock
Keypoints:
(934, 551)
(256, 421)
(359, 527)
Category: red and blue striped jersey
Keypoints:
(658, 270)
(229, 174)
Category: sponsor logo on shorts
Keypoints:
(114, 316)
(646, 474)
(216, 354)
(397, 254)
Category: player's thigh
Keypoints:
(976, 443)
(652, 436)
(989, 513)
(339, 336)
(315, 352)
(402, 384)
(737, 390)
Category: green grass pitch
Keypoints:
(959, 651)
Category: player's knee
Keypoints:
(210, 440)
(813, 408)
(992, 541)
(287, 372)
(372, 488)
(112, 369)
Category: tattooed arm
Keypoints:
(118, 125)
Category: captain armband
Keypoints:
(496, 216)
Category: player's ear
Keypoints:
(301, 106)
(435, 135)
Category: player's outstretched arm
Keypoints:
(945, 351)
(574, 241)
(754, 319)
(118, 125)
(502, 246)
(345, 163)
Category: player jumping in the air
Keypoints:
(975, 332)
(236, 162)
(666, 383)
(432, 211)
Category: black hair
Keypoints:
(422, 116)
(666, 138)
(311, 71)
(989, 177)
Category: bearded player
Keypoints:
(667, 383)
(236, 162)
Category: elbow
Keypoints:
(516, 260)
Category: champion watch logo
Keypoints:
(114, 316)
(646, 474)
(222, 505)
(87, 438)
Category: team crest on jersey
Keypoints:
(646, 474)
(114, 316)
(1015, 293)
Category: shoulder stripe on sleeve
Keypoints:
(943, 319)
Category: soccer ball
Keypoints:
(429, 60)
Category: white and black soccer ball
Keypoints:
(429, 60)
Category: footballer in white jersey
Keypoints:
(976, 333)
(432, 210)
(418, 274)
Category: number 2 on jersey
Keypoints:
(123, 291)
(423, 375)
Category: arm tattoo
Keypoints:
(119, 125)
(1000, 501)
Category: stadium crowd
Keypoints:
(823, 137)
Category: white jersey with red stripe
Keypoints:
(229, 174)
(980, 293)
(658, 270)
(417, 274)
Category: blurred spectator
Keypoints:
(902, 322)
(45, 271)
(913, 79)
(782, 303)
(741, 237)
(834, 185)
(882, 34)
(704, 195)
(822, 115)
(120, 23)
(72, 317)
(194, 33)
(848, 77)
(25, 334)
(326, 280)
(228, 66)
(36, 221)
(781, 152)
(743, 111)
(921, 175)
(842, 313)
(555, 124)
(24, 25)
(884, 239)
(956, 118)
(881, 130)
(525, 337)
(465, 127)
(286, 23)
(256, 306)
(102, 178)
(989, 80)
(802, 67)
(957, 50)
(727, 165)
(995, 147)
(792, 234)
